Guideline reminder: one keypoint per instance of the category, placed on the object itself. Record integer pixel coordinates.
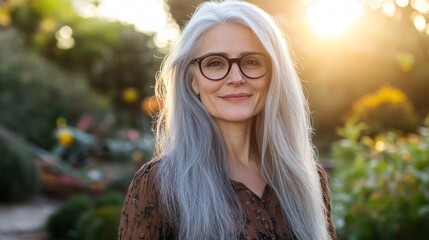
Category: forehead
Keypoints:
(229, 38)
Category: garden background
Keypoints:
(77, 105)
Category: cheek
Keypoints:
(262, 87)
(207, 87)
(207, 93)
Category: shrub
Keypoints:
(80, 218)
(62, 224)
(386, 109)
(19, 178)
(35, 93)
(100, 224)
(110, 199)
(381, 185)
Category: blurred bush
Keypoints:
(62, 224)
(381, 184)
(112, 56)
(100, 224)
(82, 219)
(103, 221)
(386, 109)
(34, 93)
(19, 180)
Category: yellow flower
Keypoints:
(130, 95)
(65, 137)
(5, 19)
(386, 95)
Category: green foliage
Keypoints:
(19, 178)
(80, 218)
(62, 224)
(111, 55)
(114, 57)
(101, 223)
(381, 185)
(130, 63)
(28, 14)
(33, 93)
(95, 42)
(380, 111)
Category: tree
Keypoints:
(113, 56)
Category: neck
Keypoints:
(243, 161)
(237, 137)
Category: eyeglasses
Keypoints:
(215, 66)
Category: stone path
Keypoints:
(26, 221)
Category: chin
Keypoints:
(235, 117)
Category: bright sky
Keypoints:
(328, 18)
(146, 15)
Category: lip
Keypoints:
(236, 97)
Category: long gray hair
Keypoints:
(196, 194)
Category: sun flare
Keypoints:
(330, 18)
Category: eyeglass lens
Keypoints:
(216, 67)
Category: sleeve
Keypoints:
(141, 216)
(326, 198)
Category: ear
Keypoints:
(195, 87)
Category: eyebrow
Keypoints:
(227, 55)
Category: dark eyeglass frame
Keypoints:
(230, 61)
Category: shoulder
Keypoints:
(143, 187)
(140, 213)
(147, 170)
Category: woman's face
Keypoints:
(236, 97)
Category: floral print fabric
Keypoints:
(141, 218)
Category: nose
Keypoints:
(235, 75)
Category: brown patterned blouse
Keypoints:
(141, 217)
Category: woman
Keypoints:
(234, 156)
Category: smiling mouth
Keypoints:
(236, 97)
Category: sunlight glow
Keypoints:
(330, 18)
(375, 4)
(389, 8)
(380, 146)
(146, 15)
(166, 35)
(421, 6)
(419, 22)
(402, 3)
(65, 38)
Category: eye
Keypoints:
(215, 62)
(252, 61)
